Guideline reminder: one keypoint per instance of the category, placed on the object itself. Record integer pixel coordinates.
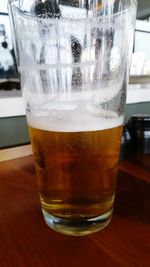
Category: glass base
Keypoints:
(78, 227)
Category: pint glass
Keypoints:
(73, 58)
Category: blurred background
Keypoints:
(13, 128)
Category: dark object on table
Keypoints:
(139, 128)
(126, 144)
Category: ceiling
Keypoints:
(143, 9)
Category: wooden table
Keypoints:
(26, 241)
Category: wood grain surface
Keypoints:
(26, 241)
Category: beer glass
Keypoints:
(73, 58)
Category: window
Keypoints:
(9, 78)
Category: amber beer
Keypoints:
(76, 173)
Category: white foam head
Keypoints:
(77, 120)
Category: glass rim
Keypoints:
(90, 18)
